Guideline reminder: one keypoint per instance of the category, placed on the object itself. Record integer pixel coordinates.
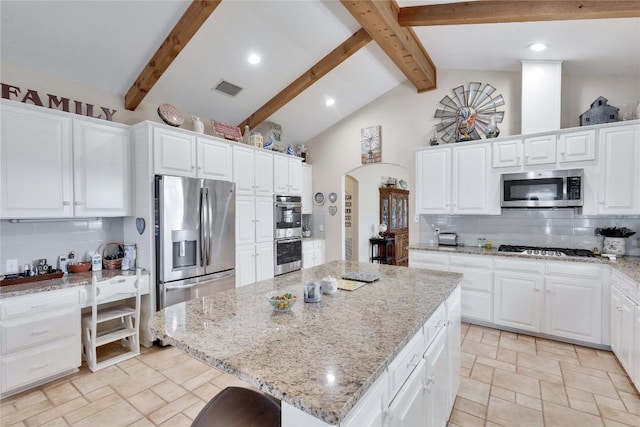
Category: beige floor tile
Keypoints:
(146, 402)
(193, 410)
(496, 364)
(490, 339)
(598, 373)
(168, 390)
(602, 363)
(58, 422)
(518, 345)
(56, 412)
(92, 408)
(180, 420)
(572, 360)
(480, 349)
(557, 344)
(464, 419)
(556, 415)
(611, 423)
(554, 393)
(539, 363)
(106, 376)
(473, 335)
(620, 416)
(120, 414)
(24, 400)
(173, 362)
(508, 356)
(631, 401)
(516, 382)
(20, 424)
(227, 380)
(465, 372)
(159, 356)
(579, 394)
(26, 412)
(584, 406)
(607, 354)
(528, 401)
(99, 393)
(585, 350)
(172, 409)
(482, 373)
(569, 352)
(188, 370)
(588, 383)
(201, 379)
(484, 329)
(540, 375)
(511, 414)
(622, 383)
(473, 408)
(492, 424)
(207, 391)
(467, 359)
(135, 383)
(610, 403)
(62, 393)
(509, 335)
(503, 393)
(142, 422)
(473, 390)
(527, 338)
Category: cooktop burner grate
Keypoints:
(537, 250)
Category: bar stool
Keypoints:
(239, 407)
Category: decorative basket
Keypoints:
(112, 264)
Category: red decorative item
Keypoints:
(226, 130)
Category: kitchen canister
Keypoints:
(329, 285)
(312, 292)
(614, 245)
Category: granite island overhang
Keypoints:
(320, 357)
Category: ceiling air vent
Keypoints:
(227, 88)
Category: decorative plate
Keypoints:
(403, 184)
(170, 115)
(333, 197)
(318, 198)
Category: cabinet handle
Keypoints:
(412, 363)
(40, 332)
(66, 203)
(77, 203)
(35, 368)
(40, 305)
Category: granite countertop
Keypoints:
(320, 358)
(67, 281)
(628, 265)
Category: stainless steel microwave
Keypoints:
(542, 189)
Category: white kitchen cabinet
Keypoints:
(312, 253)
(475, 189)
(174, 152)
(477, 285)
(39, 339)
(540, 150)
(101, 169)
(307, 192)
(507, 153)
(254, 262)
(287, 174)
(430, 260)
(433, 181)
(635, 374)
(453, 331)
(252, 171)
(408, 406)
(371, 410)
(517, 300)
(622, 311)
(437, 393)
(37, 163)
(254, 219)
(214, 159)
(576, 146)
(619, 170)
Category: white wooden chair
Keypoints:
(107, 324)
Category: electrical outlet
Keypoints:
(416, 218)
(11, 266)
(320, 227)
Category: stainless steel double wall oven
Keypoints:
(287, 220)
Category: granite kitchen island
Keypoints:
(320, 359)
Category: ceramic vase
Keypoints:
(197, 124)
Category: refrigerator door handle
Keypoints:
(208, 230)
(203, 222)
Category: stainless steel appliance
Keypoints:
(447, 239)
(287, 220)
(542, 189)
(542, 251)
(195, 238)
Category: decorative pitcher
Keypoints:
(197, 125)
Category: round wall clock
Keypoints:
(469, 113)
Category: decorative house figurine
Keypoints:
(599, 112)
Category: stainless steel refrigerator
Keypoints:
(195, 238)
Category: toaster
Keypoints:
(448, 239)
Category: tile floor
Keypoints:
(506, 379)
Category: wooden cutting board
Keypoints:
(349, 285)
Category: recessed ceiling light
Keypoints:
(538, 47)
(329, 102)
(254, 59)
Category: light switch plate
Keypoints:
(11, 266)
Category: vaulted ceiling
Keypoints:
(352, 50)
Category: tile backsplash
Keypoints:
(30, 241)
(534, 227)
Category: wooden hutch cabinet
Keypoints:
(394, 212)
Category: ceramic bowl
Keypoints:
(281, 300)
(79, 267)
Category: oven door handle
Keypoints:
(288, 205)
(295, 239)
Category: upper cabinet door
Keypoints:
(295, 176)
(433, 178)
(174, 153)
(507, 153)
(540, 150)
(280, 174)
(214, 159)
(307, 176)
(471, 180)
(101, 169)
(36, 161)
(619, 170)
(263, 173)
(244, 171)
(577, 146)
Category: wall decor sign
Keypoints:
(469, 112)
(54, 102)
(226, 130)
(370, 145)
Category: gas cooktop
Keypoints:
(540, 251)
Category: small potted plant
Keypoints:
(615, 239)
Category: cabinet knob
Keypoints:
(77, 203)
(66, 203)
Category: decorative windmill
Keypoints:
(469, 112)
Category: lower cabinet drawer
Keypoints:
(435, 323)
(30, 366)
(24, 332)
(405, 362)
(477, 305)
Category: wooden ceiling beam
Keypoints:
(380, 19)
(191, 21)
(338, 55)
(488, 11)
